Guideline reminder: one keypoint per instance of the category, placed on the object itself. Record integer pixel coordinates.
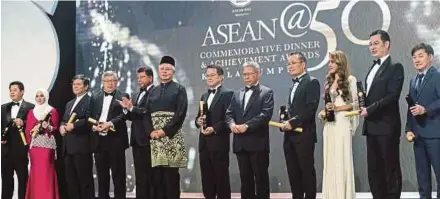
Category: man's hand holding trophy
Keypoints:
(284, 123)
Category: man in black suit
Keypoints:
(214, 136)
(299, 147)
(76, 142)
(109, 146)
(14, 151)
(382, 124)
(248, 116)
(140, 138)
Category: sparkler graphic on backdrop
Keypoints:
(117, 49)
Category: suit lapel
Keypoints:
(289, 100)
(100, 100)
(113, 102)
(79, 104)
(69, 110)
(368, 73)
(300, 86)
(241, 100)
(412, 89)
(8, 112)
(216, 97)
(425, 80)
(134, 101)
(379, 72)
(252, 99)
(21, 112)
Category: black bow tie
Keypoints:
(295, 80)
(246, 89)
(142, 90)
(107, 94)
(15, 104)
(211, 91)
(377, 61)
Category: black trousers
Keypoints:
(214, 167)
(166, 183)
(254, 174)
(384, 172)
(20, 166)
(142, 169)
(113, 160)
(301, 168)
(79, 176)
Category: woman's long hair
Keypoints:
(343, 73)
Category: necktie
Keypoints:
(419, 81)
(142, 90)
(377, 61)
(107, 94)
(15, 104)
(211, 91)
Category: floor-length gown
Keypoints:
(42, 182)
(338, 174)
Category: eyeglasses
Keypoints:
(248, 74)
(212, 75)
(109, 81)
(293, 63)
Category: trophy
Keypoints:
(72, 117)
(361, 99)
(23, 138)
(40, 124)
(284, 116)
(20, 130)
(96, 123)
(283, 113)
(202, 115)
(329, 114)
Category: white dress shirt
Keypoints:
(373, 72)
(211, 96)
(295, 86)
(247, 96)
(78, 98)
(141, 95)
(105, 108)
(15, 109)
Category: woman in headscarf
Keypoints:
(42, 181)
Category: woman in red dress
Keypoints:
(42, 181)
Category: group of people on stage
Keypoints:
(96, 126)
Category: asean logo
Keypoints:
(240, 3)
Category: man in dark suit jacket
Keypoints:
(299, 147)
(76, 142)
(14, 151)
(423, 121)
(140, 137)
(214, 136)
(109, 146)
(382, 124)
(248, 116)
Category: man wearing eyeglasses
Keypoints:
(214, 136)
(299, 147)
(109, 139)
(248, 117)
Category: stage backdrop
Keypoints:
(121, 36)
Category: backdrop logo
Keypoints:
(240, 3)
(295, 23)
(268, 41)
